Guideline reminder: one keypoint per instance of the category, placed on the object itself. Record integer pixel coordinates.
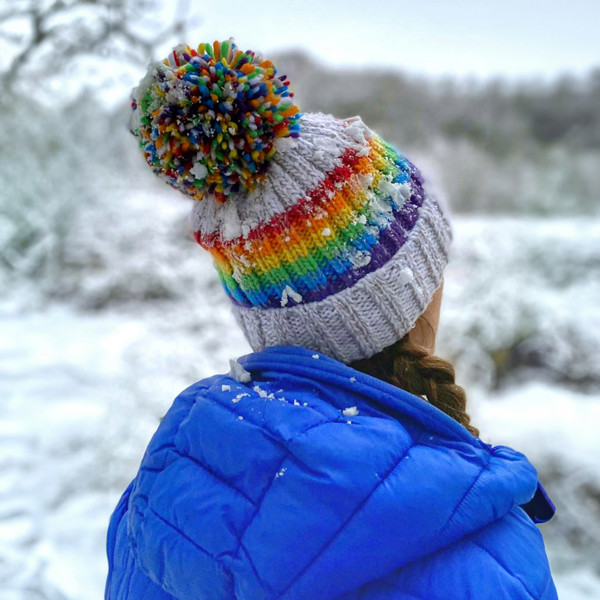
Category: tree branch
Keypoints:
(116, 19)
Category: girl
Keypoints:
(337, 461)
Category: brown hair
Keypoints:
(415, 370)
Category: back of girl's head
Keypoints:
(324, 235)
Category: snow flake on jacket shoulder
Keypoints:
(352, 411)
(260, 391)
(239, 397)
(238, 372)
(263, 393)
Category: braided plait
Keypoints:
(415, 370)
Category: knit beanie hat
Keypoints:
(322, 233)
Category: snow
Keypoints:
(360, 259)
(239, 397)
(398, 192)
(289, 292)
(60, 398)
(284, 144)
(352, 411)
(559, 414)
(262, 393)
(238, 372)
(199, 170)
(406, 275)
(83, 391)
(231, 224)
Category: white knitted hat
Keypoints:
(323, 234)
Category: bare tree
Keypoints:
(44, 36)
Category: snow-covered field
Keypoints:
(81, 394)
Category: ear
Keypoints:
(424, 332)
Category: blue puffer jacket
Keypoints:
(315, 482)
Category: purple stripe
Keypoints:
(390, 240)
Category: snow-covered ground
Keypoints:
(81, 396)
(82, 392)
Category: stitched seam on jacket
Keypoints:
(182, 534)
(273, 439)
(501, 564)
(530, 524)
(111, 551)
(130, 581)
(390, 587)
(445, 548)
(464, 497)
(273, 434)
(344, 524)
(252, 566)
(219, 561)
(218, 477)
(385, 578)
(146, 572)
(131, 539)
(547, 583)
(288, 454)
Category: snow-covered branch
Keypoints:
(45, 37)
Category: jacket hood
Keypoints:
(309, 480)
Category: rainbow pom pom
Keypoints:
(207, 119)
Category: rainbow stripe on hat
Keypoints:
(351, 223)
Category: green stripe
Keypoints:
(319, 257)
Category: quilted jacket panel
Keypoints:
(313, 482)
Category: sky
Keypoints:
(515, 38)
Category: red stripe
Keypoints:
(280, 222)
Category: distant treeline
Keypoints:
(71, 171)
(495, 145)
(494, 113)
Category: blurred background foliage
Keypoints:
(85, 226)
(74, 219)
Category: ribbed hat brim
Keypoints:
(377, 311)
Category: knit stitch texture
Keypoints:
(323, 234)
(340, 250)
